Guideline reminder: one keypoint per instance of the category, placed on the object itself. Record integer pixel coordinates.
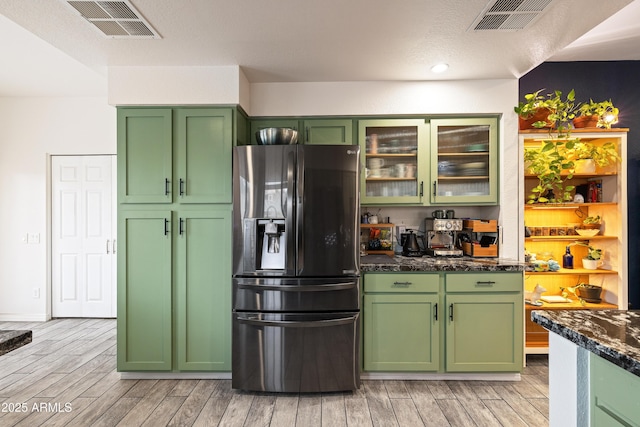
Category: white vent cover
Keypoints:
(117, 19)
(509, 15)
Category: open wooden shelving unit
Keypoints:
(612, 275)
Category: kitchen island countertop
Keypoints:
(384, 263)
(613, 335)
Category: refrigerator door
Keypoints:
(328, 200)
(263, 190)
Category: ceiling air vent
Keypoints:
(509, 15)
(117, 19)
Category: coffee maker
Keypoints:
(441, 236)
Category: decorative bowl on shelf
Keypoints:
(587, 232)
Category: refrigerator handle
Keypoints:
(300, 214)
(290, 255)
(254, 319)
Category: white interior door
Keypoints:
(83, 234)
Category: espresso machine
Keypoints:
(441, 236)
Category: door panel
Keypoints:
(328, 204)
(145, 155)
(144, 291)
(83, 232)
(204, 282)
(204, 159)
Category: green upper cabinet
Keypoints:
(464, 161)
(175, 155)
(257, 124)
(395, 156)
(203, 162)
(328, 131)
(144, 155)
(144, 291)
(203, 290)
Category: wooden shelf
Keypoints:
(376, 225)
(578, 175)
(392, 155)
(463, 154)
(567, 238)
(391, 178)
(552, 206)
(572, 305)
(461, 177)
(572, 271)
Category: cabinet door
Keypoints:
(484, 332)
(144, 291)
(144, 155)
(257, 124)
(204, 138)
(401, 332)
(395, 156)
(464, 161)
(203, 294)
(613, 394)
(328, 131)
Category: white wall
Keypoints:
(31, 129)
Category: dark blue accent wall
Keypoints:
(620, 82)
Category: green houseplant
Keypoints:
(601, 114)
(598, 155)
(548, 162)
(547, 111)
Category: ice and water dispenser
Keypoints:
(272, 244)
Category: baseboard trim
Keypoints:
(436, 376)
(11, 317)
(175, 375)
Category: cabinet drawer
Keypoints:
(484, 282)
(398, 282)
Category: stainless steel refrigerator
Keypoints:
(296, 281)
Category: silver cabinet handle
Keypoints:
(402, 284)
(113, 246)
(487, 283)
(107, 246)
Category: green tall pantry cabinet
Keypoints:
(174, 238)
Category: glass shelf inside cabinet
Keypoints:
(463, 160)
(391, 161)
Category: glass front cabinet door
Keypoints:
(464, 161)
(394, 154)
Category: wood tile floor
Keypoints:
(67, 377)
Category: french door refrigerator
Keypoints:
(296, 281)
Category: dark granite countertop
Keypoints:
(384, 263)
(611, 334)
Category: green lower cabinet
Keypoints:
(144, 291)
(203, 291)
(484, 332)
(401, 332)
(613, 394)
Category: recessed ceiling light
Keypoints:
(440, 68)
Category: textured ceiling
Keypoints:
(295, 41)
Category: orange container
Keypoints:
(481, 225)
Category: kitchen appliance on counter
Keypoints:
(441, 236)
(296, 298)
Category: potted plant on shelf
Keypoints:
(596, 114)
(548, 162)
(546, 111)
(588, 292)
(592, 260)
(586, 155)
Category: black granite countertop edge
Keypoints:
(417, 264)
(592, 344)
